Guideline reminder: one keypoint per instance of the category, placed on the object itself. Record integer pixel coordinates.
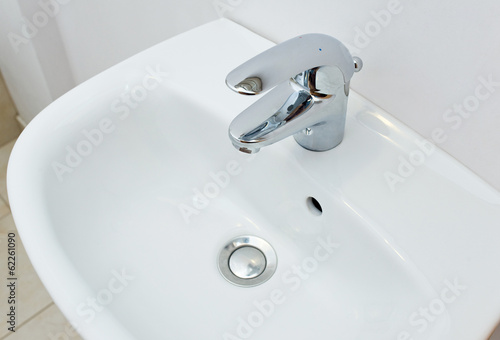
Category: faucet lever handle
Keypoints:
(286, 60)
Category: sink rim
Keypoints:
(36, 240)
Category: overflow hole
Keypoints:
(314, 206)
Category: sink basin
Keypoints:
(126, 189)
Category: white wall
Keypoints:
(49, 46)
(98, 34)
(425, 61)
(32, 58)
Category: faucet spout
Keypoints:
(308, 78)
(253, 130)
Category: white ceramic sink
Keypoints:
(102, 184)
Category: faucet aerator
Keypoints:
(246, 150)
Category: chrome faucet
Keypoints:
(309, 76)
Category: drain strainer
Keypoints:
(247, 261)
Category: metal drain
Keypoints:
(247, 261)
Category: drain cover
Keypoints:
(247, 261)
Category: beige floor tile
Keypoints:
(31, 295)
(496, 334)
(4, 209)
(49, 324)
(5, 151)
(9, 128)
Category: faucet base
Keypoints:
(308, 139)
(328, 134)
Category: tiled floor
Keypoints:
(9, 127)
(38, 317)
(496, 335)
